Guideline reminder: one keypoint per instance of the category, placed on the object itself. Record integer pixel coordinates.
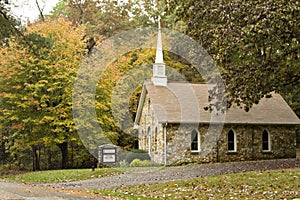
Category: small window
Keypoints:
(155, 138)
(231, 141)
(266, 141)
(149, 140)
(195, 141)
(143, 140)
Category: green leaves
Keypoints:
(255, 43)
(39, 72)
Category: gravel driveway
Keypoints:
(20, 191)
(159, 175)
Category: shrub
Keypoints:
(135, 163)
(141, 163)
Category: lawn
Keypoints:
(279, 184)
(283, 184)
(59, 176)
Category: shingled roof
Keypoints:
(185, 102)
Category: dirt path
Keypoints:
(159, 175)
(17, 191)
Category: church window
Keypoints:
(155, 138)
(231, 141)
(266, 141)
(195, 141)
(143, 140)
(149, 140)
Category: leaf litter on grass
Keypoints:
(280, 184)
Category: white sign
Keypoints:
(105, 151)
(109, 158)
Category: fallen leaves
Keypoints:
(250, 185)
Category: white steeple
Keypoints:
(159, 72)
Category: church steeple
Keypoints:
(159, 71)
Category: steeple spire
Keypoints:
(159, 76)
(159, 53)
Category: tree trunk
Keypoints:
(2, 155)
(35, 158)
(38, 158)
(72, 154)
(64, 154)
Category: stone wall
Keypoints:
(151, 133)
(213, 144)
(144, 123)
(248, 141)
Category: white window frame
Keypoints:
(269, 141)
(198, 141)
(234, 141)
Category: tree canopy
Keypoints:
(37, 73)
(255, 44)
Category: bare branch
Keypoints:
(40, 10)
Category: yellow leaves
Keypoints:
(62, 26)
(113, 136)
(73, 139)
(37, 81)
(48, 118)
(67, 42)
(102, 106)
(14, 118)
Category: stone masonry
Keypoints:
(178, 141)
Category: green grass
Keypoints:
(59, 176)
(283, 184)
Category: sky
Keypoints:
(27, 9)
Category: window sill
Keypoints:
(267, 151)
(195, 152)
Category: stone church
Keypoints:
(173, 126)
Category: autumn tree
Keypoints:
(104, 19)
(38, 75)
(10, 27)
(255, 44)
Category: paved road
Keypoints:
(18, 191)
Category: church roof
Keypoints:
(185, 102)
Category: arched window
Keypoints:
(143, 140)
(266, 144)
(231, 141)
(155, 138)
(195, 141)
(149, 140)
